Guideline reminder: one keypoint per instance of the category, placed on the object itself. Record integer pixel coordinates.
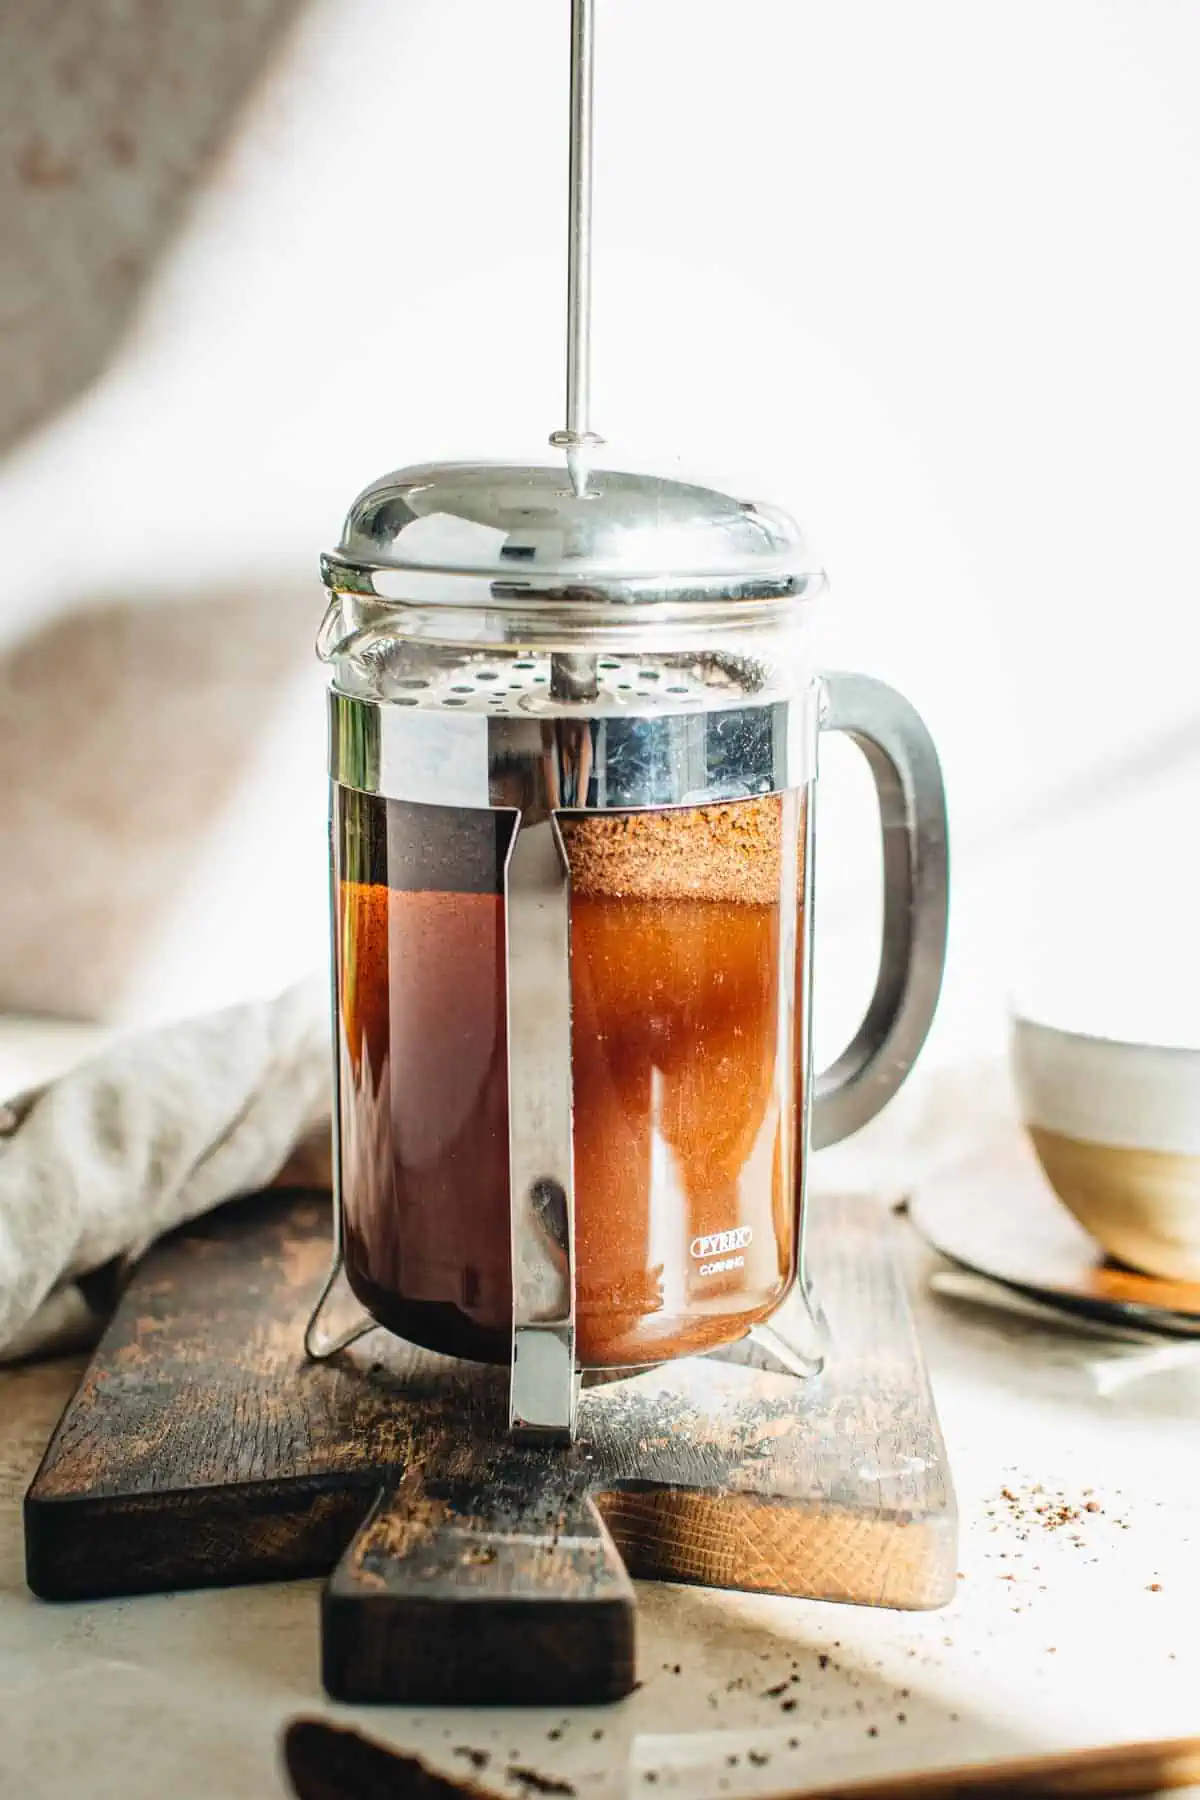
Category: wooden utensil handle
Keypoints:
(1115, 1769)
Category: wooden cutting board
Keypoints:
(201, 1448)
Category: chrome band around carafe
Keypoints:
(622, 763)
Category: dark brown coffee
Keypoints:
(685, 1063)
(423, 1071)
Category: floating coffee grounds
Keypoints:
(719, 853)
(684, 934)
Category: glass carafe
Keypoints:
(573, 745)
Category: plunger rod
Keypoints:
(575, 677)
(578, 438)
(579, 239)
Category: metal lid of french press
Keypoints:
(629, 537)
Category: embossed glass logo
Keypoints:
(720, 1243)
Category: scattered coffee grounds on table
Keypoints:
(1032, 1508)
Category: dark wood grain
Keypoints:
(201, 1448)
(505, 1587)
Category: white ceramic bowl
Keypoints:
(1116, 1126)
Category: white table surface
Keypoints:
(1056, 1638)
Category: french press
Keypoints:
(573, 731)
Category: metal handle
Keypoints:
(912, 811)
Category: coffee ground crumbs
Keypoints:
(1032, 1509)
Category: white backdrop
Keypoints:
(926, 272)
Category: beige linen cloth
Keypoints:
(155, 1131)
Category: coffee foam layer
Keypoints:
(730, 852)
